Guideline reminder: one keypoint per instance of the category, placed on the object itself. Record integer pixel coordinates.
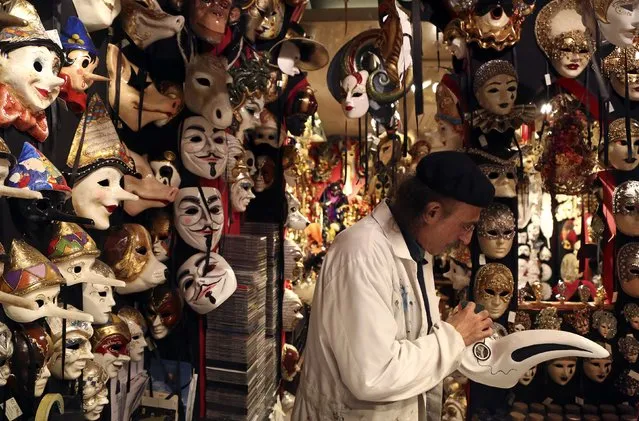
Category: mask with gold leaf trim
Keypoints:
(161, 235)
(616, 70)
(625, 207)
(496, 230)
(618, 156)
(32, 351)
(494, 287)
(163, 311)
(97, 300)
(137, 326)
(618, 20)
(109, 345)
(628, 269)
(94, 391)
(76, 347)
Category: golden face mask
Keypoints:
(127, 251)
(628, 268)
(494, 286)
(625, 207)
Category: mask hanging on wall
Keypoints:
(76, 347)
(266, 132)
(6, 352)
(628, 269)
(494, 287)
(615, 69)
(293, 267)
(605, 323)
(625, 207)
(198, 219)
(166, 169)
(502, 175)
(145, 22)
(7, 162)
(137, 326)
(129, 252)
(528, 376)
(109, 345)
(97, 300)
(597, 369)
(208, 19)
(161, 235)
(205, 89)
(203, 150)
(163, 311)
(273, 22)
(302, 107)
(618, 157)
(450, 127)
(151, 192)
(204, 288)
(247, 94)
(295, 219)
(496, 231)
(617, 21)
(291, 310)
(94, 391)
(297, 52)
(460, 267)
(562, 370)
(241, 187)
(265, 176)
(32, 351)
(97, 14)
(631, 314)
(629, 348)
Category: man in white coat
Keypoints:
(376, 348)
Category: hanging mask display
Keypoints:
(291, 163)
(460, 267)
(291, 310)
(137, 327)
(236, 152)
(166, 169)
(580, 321)
(629, 348)
(494, 287)
(272, 23)
(205, 89)
(618, 156)
(266, 132)
(163, 311)
(248, 94)
(103, 160)
(199, 216)
(32, 351)
(6, 352)
(76, 347)
(97, 14)
(625, 207)
(597, 369)
(145, 22)
(605, 323)
(80, 61)
(496, 231)
(161, 235)
(7, 162)
(563, 38)
(241, 187)
(631, 313)
(97, 299)
(203, 150)
(628, 269)
(297, 52)
(503, 178)
(150, 191)
(353, 94)
(450, 126)
(94, 391)
(617, 20)
(129, 252)
(109, 345)
(293, 267)
(619, 63)
(208, 19)
(265, 176)
(295, 219)
(29, 67)
(206, 283)
(141, 101)
(528, 376)
(562, 370)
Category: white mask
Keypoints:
(242, 194)
(288, 57)
(250, 112)
(94, 406)
(110, 363)
(79, 270)
(195, 220)
(204, 289)
(99, 194)
(528, 376)
(503, 178)
(41, 381)
(138, 343)
(354, 95)
(166, 173)
(32, 74)
(250, 162)
(497, 95)
(561, 370)
(204, 152)
(97, 300)
(618, 154)
(623, 21)
(450, 137)
(571, 65)
(97, 14)
(49, 297)
(458, 275)
(6, 351)
(295, 220)
(77, 348)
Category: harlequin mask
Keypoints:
(495, 86)
(449, 122)
(597, 370)
(109, 345)
(6, 352)
(605, 323)
(161, 235)
(631, 313)
(629, 347)
(145, 22)
(241, 187)
(618, 20)
(159, 104)
(137, 326)
(628, 268)
(77, 347)
(494, 286)
(295, 219)
(204, 287)
(97, 14)
(272, 22)
(503, 178)
(265, 173)
(32, 352)
(266, 132)
(528, 376)
(204, 151)
(291, 310)
(165, 169)
(618, 144)
(205, 90)
(496, 230)
(97, 300)
(129, 252)
(563, 37)
(625, 207)
(562, 370)
(163, 311)
(94, 391)
(208, 19)
(199, 216)
(615, 68)
(151, 192)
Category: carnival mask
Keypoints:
(7, 161)
(622, 62)
(605, 323)
(31, 355)
(163, 311)
(628, 269)
(495, 87)
(165, 169)
(76, 347)
(503, 178)
(494, 287)
(265, 176)
(272, 22)
(528, 376)
(203, 150)
(459, 275)
(618, 20)
(618, 156)
(94, 391)
(109, 344)
(251, 163)
(267, 131)
(354, 96)
(496, 230)
(449, 122)
(629, 348)
(145, 22)
(6, 352)
(631, 313)
(625, 207)
(140, 101)
(151, 192)
(597, 370)
(295, 220)
(205, 90)
(562, 370)
(129, 252)
(206, 283)
(137, 326)
(249, 115)
(97, 300)
(291, 310)
(97, 14)
(208, 19)
(241, 187)
(293, 256)
(199, 216)
(161, 235)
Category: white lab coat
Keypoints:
(368, 356)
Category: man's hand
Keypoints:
(472, 326)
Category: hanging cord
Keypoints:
(626, 104)
(588, 115)
(416, 53)
(345, 151)
(366, 150)
(118, 78)
(142, 78)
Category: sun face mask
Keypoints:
(199, 216)
(76, 347)
(625, 207)
(503, 178)
(618, 20)
(161, 235)
(562, 370)
(628, 268)
(495, 86)
(32, 352)
(137, 326)
(94, 391)
(109, 345)
(165, 170)
(208, 19)
(496, 231)
(97, 14)
(605, 323)
(97, 300)
(6, 352)
(150, 191)
(203, 150)
(597, 369)
(494, 287)
(205, 287)
(145, 22)
(163, 311)
(618, 156)
(241, 187)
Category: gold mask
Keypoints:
(494, 287)
(127, 250)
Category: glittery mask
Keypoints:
(605, 322)
(522, 322)
(619, 63)
(628, 268)
(631, 314)
(503, 178)
(94, 391)
(76, 347)
(496, 230)
(625, 207)
(618, 156)
(629, 348)
(495, 86)
(548, 319)
(494, 287)
(617, 20)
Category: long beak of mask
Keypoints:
(95, 78)
(56, 215)
(14, 300)
(19, 193)
(501, 362)
(103, 280)
(56, 311)
(7, 20)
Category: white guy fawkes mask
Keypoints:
(458, 275)
(528, 376)
(503, 178)
(242, 194)
(622, 18)
(204, 152)
(562, 370)
(354, 95)
(99, 194)
(6, 351)
(496, 231)
(197, 217)
(288, 58)
(77, 348)
(203, 287)
(97, 14)
(32, 74)
(597, 369)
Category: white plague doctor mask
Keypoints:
(205, 287)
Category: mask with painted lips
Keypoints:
(562, 370)
(354, 95)
(495, 87)
(163, 311)
(199, 218)
(496, 231)
(203, 150)
(109, 345)
(204, 288)
(597, 370)
(618, 20)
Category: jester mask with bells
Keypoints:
(94, 391)
(563, 38)
(32, 352)
(206, 281)
(97, 14)
(628, 269)
(97, 299)
(631, 314)
(151, 192)
(6, 352)
(161, 231)
(80, 61)
(110, 345)
(450, 128)
(621, 157)
(137, 326)
(29, 67)
(145, 22)
(129, 252)
(241, 187)
(616, 68)
(141, 100)
(32, 276)
(597, 369)
(605, 323)
(199, 216)
(625, 207)
(102, 160)
(76, 347)
(248, 94)
(618, 20)
(460, 267)
(165, 169)
(163, 311)
(494, 287)
(7, 162)
(203, 149)
(207, 19)
(496, 230)
(629, 348)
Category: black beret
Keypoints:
(454, 175)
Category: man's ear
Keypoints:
(433, 212)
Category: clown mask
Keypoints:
(165, 169)
(562, 370)
(163, 311)
(137, 326)
(625, 207)
(76, 347)
(203, 150)
(205, 284)
(94, 391)
(109, 344)
(618, 145)
(494, 287)
(528, 376)
(496, 231)
(145, 22)
(208, 19)
(495, 87)
(596, 369)
(628, 269)
(6, 352)
(161, 235)
(199, 216)
(503, 178)
(97, 14)
(354, 96)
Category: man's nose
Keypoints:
(465, 237)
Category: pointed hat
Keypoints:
(75, 36)
(35, 172)
(70, 241)
(28, 270)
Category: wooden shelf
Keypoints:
(565, 306)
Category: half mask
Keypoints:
(163, 311)
(97, 14)
(628, 269)
(619, 63)
(6, 352)
(618, 156)
(94, 391)
(265, 176)
(76, 347)
(109, 345)
(199, 216)
(205, 283)
(166, 169)
(32, 351)
(496, 231)
(241, 187)
(129, 252)
(161, 235)
(145, 22)
(625, 207)
(597, 369)
(203, 150)
(291, 310)
(618, 20)
(562, 370)
(606, 323)
(295, 219)
(208, 19)
(97, 299)
(137, 326)
(151, 192)
(494, 287)
(504, 178)
(205, 89)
